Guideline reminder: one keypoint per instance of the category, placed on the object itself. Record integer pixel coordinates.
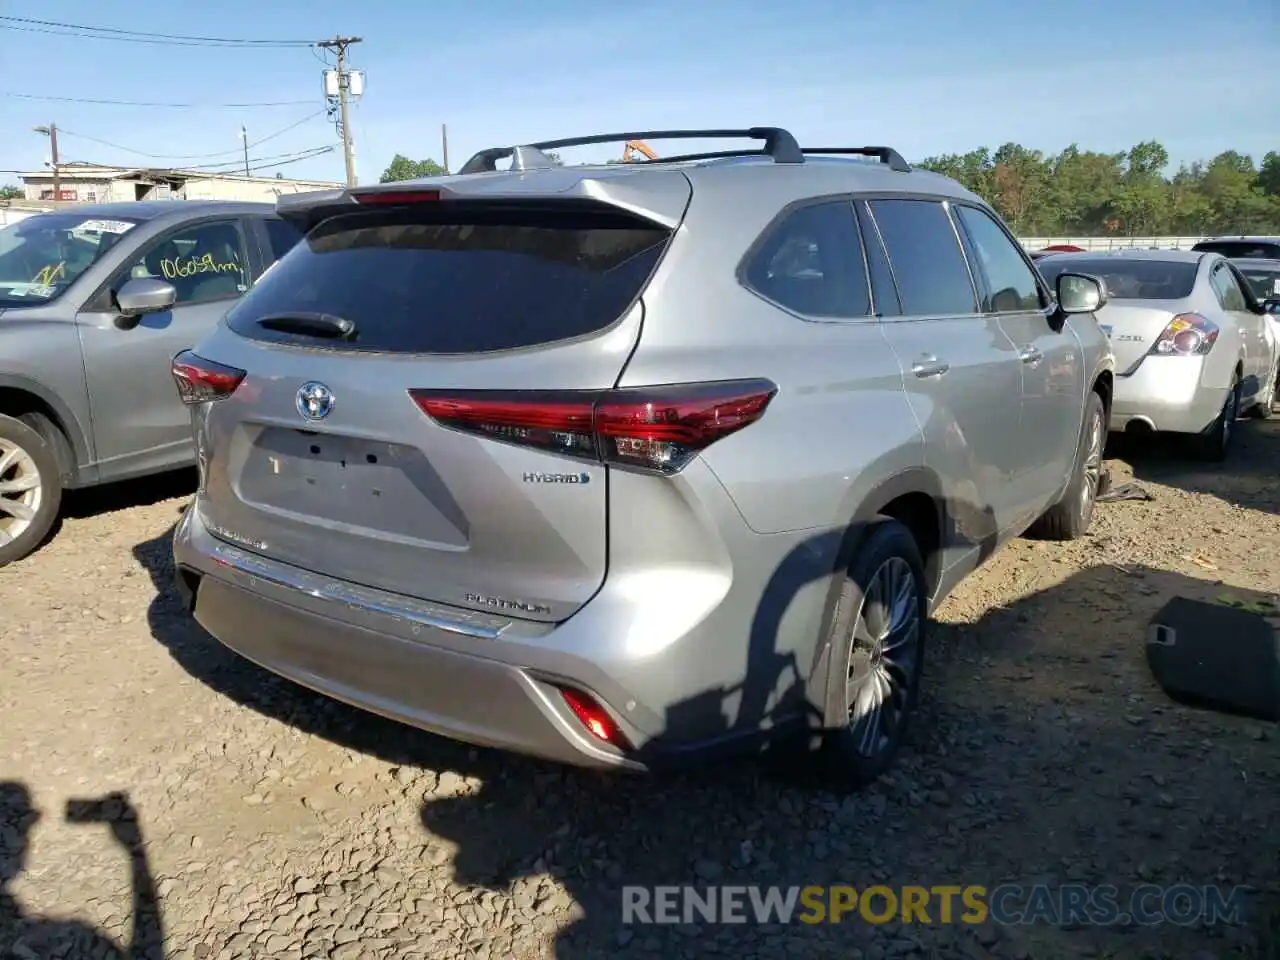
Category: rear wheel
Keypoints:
(877, 641)
(30, 489)
(1069, 518)
(1269, 406)
(1215, 443)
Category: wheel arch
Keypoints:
(913, 497)
(22, 395)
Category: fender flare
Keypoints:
(66, 420)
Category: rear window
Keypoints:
(1127, 279)
(415, 281)
(1250, 249)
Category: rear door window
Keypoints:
(928, 264)
(1223, 281)
(811, 262)
(415, 281)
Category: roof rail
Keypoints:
(778, 144)
(886, 155)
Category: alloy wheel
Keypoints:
(1092, 466)
(21, 491)
(884, 657)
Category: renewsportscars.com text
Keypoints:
(1007, 904)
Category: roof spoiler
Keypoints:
(307, 210)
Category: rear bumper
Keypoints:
(474, 677)
(1171, 394)
(406, 671)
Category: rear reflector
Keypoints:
(651, 428)
(200, 380)
(593, 716)
(395, 198)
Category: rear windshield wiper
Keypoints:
(324, 325)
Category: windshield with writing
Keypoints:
(41, 256)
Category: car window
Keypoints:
(927, 262)
(1011, 281)
(42, 255)
(812, 263)
(203, 262)
(1127, 278)
(433, 280)
(282, 236)
(1243, 249)
(1265, 283)
(1230, 296)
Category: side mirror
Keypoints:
(1271, 306)
(1078, 293)
(143, 295)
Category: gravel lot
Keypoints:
(277, 824)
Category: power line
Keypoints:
(148, 103)
(288, 157)
(189, 156)
(83, 31)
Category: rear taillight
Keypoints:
(652, 428)
(1187, 335)
(593, 716)
(200, 380)
(395, 198)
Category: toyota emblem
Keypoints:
(314, 400)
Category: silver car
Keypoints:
(1193, 345)
(620, 464)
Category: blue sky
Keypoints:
(927, 77)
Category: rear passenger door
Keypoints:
(961, 371)
(1052, 360)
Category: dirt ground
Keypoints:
(265, 821)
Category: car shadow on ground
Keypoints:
(1043, 752)
(24, 934)
(1250, 477)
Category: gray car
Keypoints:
(620, 464)
(94, 303)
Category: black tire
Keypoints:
(847, 761)
(1215, 443)
(1069, 518)
(1268, 407)
(14, 434)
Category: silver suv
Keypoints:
(618, 464)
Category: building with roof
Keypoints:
(96, 183)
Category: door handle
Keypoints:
(1030, 355)
(929, 366)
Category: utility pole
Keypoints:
(245, 137)
(444, 145)
(339, 46)
(51, 131)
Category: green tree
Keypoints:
(11, 192)
(402, 168)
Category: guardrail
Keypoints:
(1112, 243)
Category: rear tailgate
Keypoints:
(321, 457)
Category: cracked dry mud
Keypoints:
(284, 826)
